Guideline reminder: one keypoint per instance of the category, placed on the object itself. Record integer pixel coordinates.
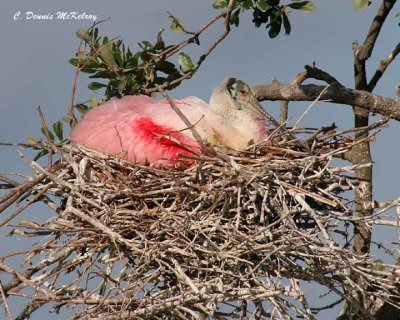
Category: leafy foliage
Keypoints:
(270, 13)
(121, 72)
(124, 72)
(56, 132)
(177, 25)
(185, 62)
(361, 4)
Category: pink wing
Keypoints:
(133, 128)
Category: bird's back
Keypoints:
(142, 129)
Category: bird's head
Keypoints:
(233, 98)
(234, 102)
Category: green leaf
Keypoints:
(104, 74)
(160, 45)
(74, 62)
(96, 85)
(82, 108)
(120, 88)
(275, 27)
(145, 45)
(166, 67)
(263, 5)
(306, 6)
(83, 35)
(159, 34)
(105, 52)
(95, 33)
(40, 154)
(219, 4)
(361, 4)
(235, 18)
(31, 141)
(177, 25)
(51, 135)
(247, 4)
(58, 129)
(377, 265)
(118, 55)
(93, 102)
(286, 24)
(131, 85)
(185, 62)
(69, 122)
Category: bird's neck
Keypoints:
(247, 128)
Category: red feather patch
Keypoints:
(169, 142)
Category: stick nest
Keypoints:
(222, 239)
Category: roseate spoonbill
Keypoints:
(144, 130)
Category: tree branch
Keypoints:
(335, 94)
(361, 153)
(382, 67)
(363, 53)
(227, 16)
(366, 50)
(312, 72)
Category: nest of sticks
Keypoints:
(222, 239)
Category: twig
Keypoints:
(21, 189)
(77, 72)
(49, 141)
(202, 58)
(182, 116)
(311, 72)
(4, 298)
(26, 205)
(309, 108)
(383, 65)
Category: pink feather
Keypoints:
(133, 128)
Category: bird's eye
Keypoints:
(244, 92)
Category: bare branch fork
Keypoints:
(310, 72)
(226, 15)
(336, 93)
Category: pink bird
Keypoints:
(144, 130)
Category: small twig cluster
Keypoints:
(216, 240)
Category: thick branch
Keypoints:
(382, 67)
(363, 53)
(377, 104)
(361, 153)
(312, 72)
(366, 50)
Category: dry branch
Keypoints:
(136, 242)
(387, 107)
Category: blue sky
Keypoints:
(35, 70)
